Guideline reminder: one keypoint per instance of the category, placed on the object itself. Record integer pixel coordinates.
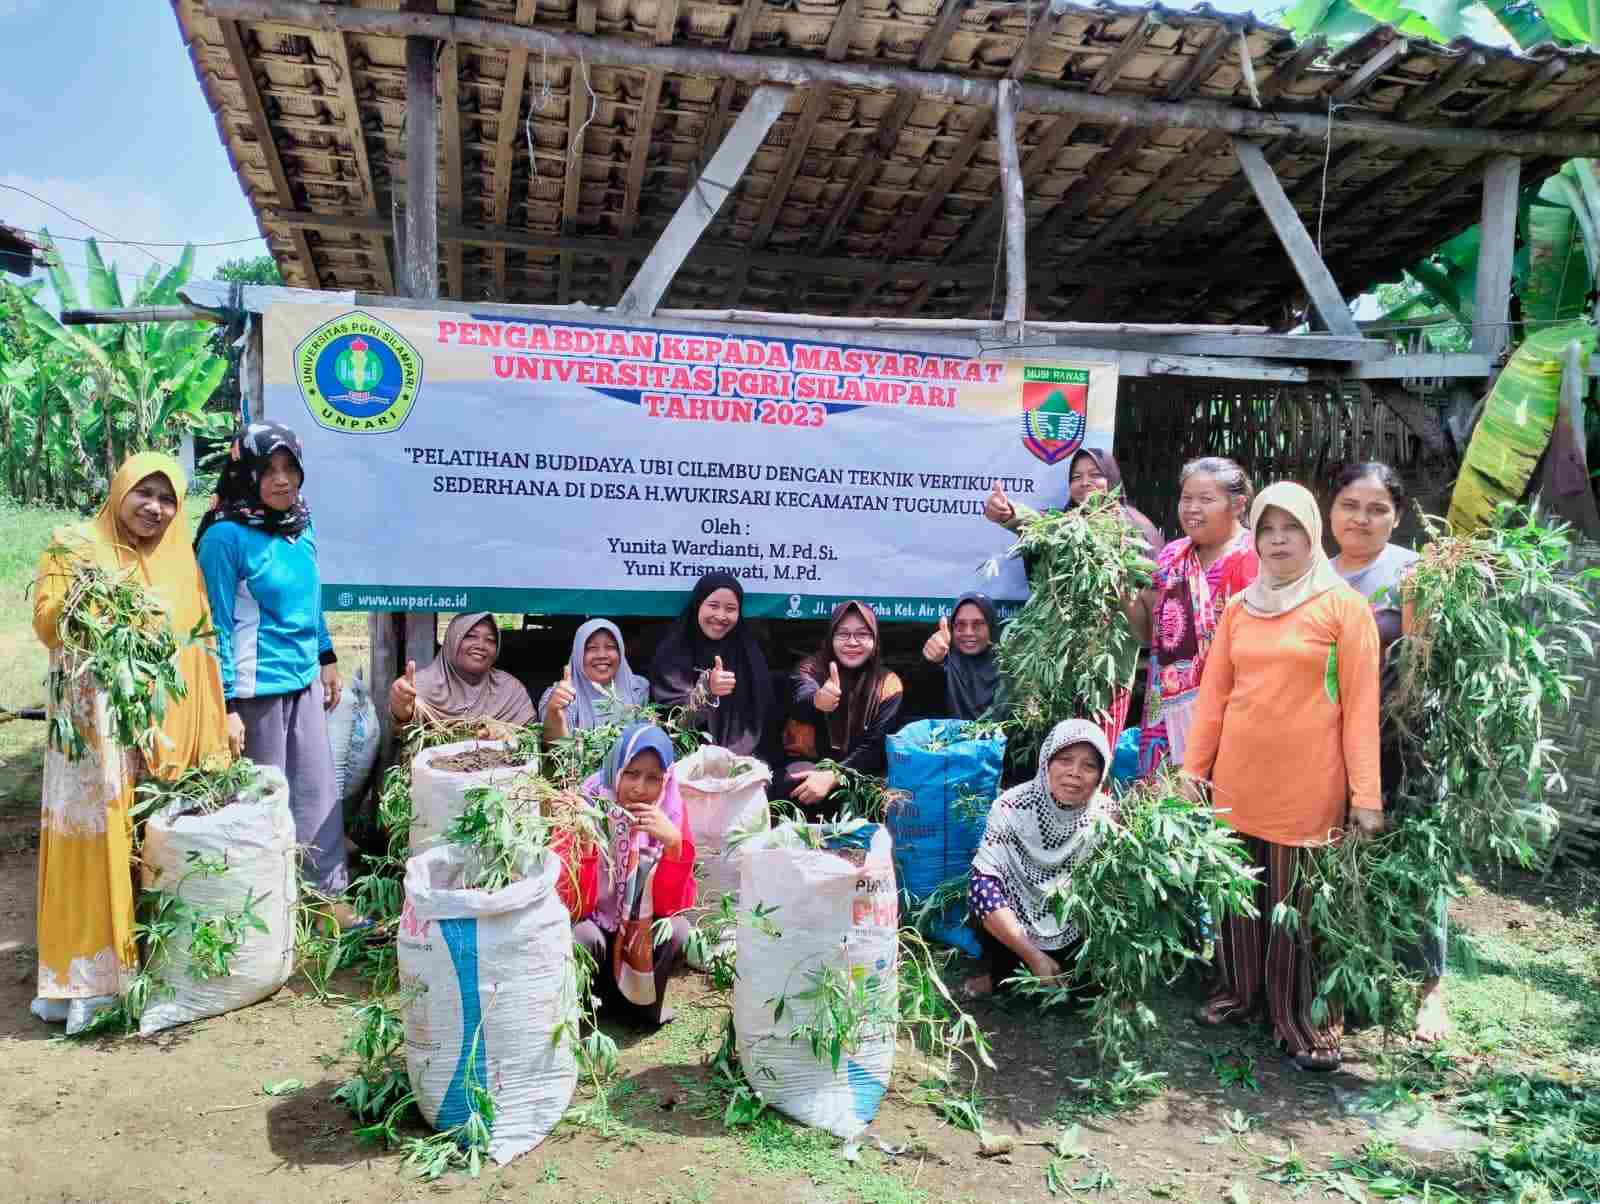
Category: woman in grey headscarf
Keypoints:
(596, 679)
(1036, 834)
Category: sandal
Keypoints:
(1318, 1061)
(1214, 1013)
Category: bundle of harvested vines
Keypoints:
(112, 630)
(1068, 651)
(511, 829)
(1493, 629)
(1159, 866)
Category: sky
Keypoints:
(101, 115)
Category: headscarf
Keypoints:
(498, 695)
(860, 689)
(740, 721)
(195, 728)
(1031, 842)
(1265, 597)
(635, 739)
(970, 681)
(1112, 472)
(238, 498)
(586, 709)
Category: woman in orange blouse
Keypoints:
(1286, 731)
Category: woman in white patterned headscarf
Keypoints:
(1035, 835)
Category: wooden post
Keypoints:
(1492, 309)
(1291, 231)
(396, 639)
(1016, 228)
(704, 198)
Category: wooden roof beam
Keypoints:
(1442, 89)
(340, 54)
(639, 155)
(702, 202)
(1368, 73)
(1297, 244)
(798, 71)
(450, 127)
(507, 127)
(240, 61)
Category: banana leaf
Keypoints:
(1518, 417)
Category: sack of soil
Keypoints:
(724, 795)
(253, 837)
(353, 737)
(493, 997)
(819, 917)
(947, 779)
(441, 777)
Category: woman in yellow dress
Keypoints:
(87, 951)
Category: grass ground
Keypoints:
(1218, 1115)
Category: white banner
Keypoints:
(492, 462)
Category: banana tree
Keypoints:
(97, 394)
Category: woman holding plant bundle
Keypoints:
(1367, 499)
(258, 551)
(963, 646)
(596, 678)
(1286, 731)
(1092, 470)
(85, 892)
(1036, 834)
(461, 682)
(844, 705)
(711, 665)
(647, 875)
(1177, 616)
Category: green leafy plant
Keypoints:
(202, 790)
(114, 632)
(1160, 865)
(1069, 649)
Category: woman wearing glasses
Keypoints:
(843, 704)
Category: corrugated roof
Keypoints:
(872, 202)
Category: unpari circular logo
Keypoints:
(358, 374)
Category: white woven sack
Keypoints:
(353, 737)
(439, 795)
(719, 805)
(829, 913)
(490, 979)
(256, 837)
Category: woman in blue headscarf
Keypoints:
(597, 679)
(649, 874)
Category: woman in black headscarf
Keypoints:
(964, 647)
(711, 665)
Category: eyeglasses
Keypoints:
(853, 637)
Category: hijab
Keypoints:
(625, 876)
(195, 727)
(498, 695)
(1031, 842)
(1266, 597)
(591, 705)
(238, 498)
(860, 689)
(970, 681)
(740, 721)
(1112, 472)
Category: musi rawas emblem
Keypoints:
(1055, 411)
(358, 374)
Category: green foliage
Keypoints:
(1544, 1138)
(112, 630)
(255, 269)
(1494, 629)
(75, 401)
(1161, 864)
(201, 790)
(1069, 649)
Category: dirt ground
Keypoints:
(184, 1117)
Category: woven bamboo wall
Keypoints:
(1576, 735)
(1302, 433)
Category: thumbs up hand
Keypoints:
(938, 645)
(829, 692)
(997, 507)
(403, 694)
(719, 681)
(564, 695)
